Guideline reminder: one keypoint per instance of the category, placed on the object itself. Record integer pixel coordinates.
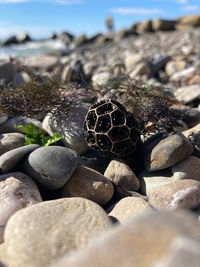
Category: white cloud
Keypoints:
(191, 8)
(183, 2)
(136, 11)
(13, 1)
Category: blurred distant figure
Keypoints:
(109, 24)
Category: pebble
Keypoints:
(152, 239)
(71, 128)
(141, 69)
(10, 159)
(43, 62)
(180, 194)
(38, 235)
(11, 141)
(187, 169)
(90, 184)
(167, 152)
(17, 191)
(101, 78)
(120, 174)
(193, 135)
(9, 125)
(151, 180)
(187, 94)
(7, 71)
(129, 207)
(174, 66)
(51, 166)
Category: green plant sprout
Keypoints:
(33, 135)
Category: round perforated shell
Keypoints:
(110, 129)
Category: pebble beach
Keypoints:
(69, 204)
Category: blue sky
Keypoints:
(42, 17)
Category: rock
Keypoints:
(174, 66)
(21, 78)
(176, 195)
(167, 152)
(10, 159)
(7, 71)
(23, 38)
(17, 191)
(3, 117)
(187, 94)
(71, 128)
(89, 68)
(183, 74)
(42, 62)
(103, 39)
(187, 169)
(120, 174)
(51, 166)
(194, 79)
(137, 243)
(10, 41)
(129, 207)
(9, 125)
(193, 135)
(3, 259)
(10, 141)
(38, 235)
(101, 78)
(141, 69)
(145, 26)
(151, 180)
(132, 60)
(163, 25)
(46, 125)
(190, 116)
(90, 184)
(80, 40)
(191, 20)
(159, 64)
(66, 74)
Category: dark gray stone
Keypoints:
(9, 160)
(51, 166)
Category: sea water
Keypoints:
(31, 48)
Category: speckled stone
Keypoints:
(152, 239)
(167, 152)
(120, 174)
(38, 235)
(17, 191)
(10, 141)
(90, 184)
(129, 207)
(176, 195)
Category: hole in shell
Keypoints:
(103, 124)
(117, 118)
(106, 108)
(119, 133)
(103, 142)
(91, 119)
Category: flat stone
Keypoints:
(176, 195)
(120, 174)
(132, 60)
(11, 141)
(187, 169)
(17, 191)
(129, 207)
(167, 152)
(151, 239)
(3, 259)
(10, 159)
(90, 184)
(51, 166)
(38, 235)
(187, 94)
(7, 71)
(180, 75)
